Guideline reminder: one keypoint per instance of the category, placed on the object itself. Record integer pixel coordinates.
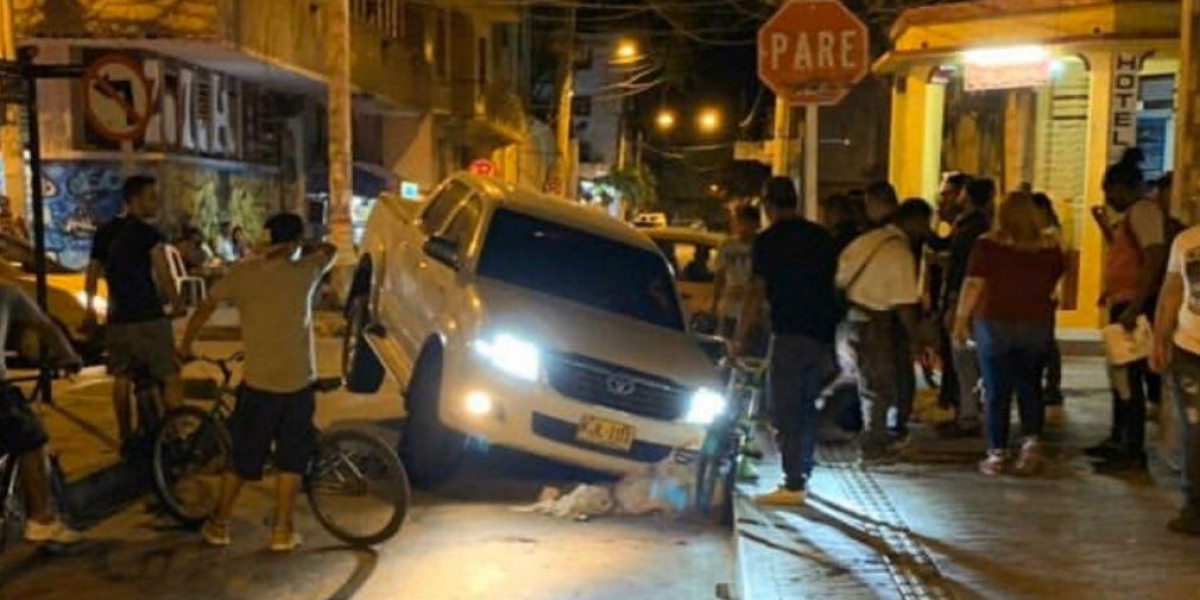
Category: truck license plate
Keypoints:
(603, 432)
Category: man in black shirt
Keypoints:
(794, 262)
(973, 221)
(132, 255)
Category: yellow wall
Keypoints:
(918, 108)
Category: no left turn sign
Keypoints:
(117, 98)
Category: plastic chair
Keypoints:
(193, 288)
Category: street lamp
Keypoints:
(664, 120)
(627, 51)
(709, 120)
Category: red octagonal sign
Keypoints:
(813, 51)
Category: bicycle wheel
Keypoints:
(357, 488)
(12, 506)
(191, 451)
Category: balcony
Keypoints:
(277, 35)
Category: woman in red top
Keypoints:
(1007, 306)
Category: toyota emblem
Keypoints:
(620, 385)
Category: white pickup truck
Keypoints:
(529, 322)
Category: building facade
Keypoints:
(224, 102)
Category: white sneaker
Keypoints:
(285, 539)
(216, 533)
(55, 531)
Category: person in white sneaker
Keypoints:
(273, 294)
(21, 433)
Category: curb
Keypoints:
(105, 492)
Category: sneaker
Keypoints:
(54, 532)
(781, 496)
(994, 464)
(285, 539)
(1032, 458)
(1187, 523)
(216, 533)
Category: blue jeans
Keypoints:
(1185, 374)
(1012, 357)
(801, 367)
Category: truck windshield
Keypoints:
(581, 267)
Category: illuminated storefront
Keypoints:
(1040, 92)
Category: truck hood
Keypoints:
(560, 325)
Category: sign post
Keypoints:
(810, 53)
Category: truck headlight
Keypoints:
(706, 406)
(511, 354)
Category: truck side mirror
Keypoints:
(442, 250)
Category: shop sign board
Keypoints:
(161, 104)
(1123, 116)
(978, 78)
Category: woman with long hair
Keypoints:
(1007, 306)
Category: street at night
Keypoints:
(600, 299)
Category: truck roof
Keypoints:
(556, 209)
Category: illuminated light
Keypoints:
(512, 355)
(1006, 56)
(1057, 67)
(706, 407)
(665, 120)
(709, 120)
(628, 50)
(409, 190)
(479, 404)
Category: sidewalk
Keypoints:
(932, 527)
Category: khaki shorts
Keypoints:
(148, 345)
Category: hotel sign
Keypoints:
(1123, 115)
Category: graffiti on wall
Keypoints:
(79, 196)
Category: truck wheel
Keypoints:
(360, 367)
(431, 451)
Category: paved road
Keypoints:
(463, 541)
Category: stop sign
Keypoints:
(812, 51)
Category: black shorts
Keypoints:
(20, 429)
(262, 418)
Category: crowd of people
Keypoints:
(873, 291)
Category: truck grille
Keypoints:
(596, 382)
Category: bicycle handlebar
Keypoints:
(322, 384)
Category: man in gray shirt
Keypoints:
(274, 296)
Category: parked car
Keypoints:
(66, 298)
(527, 322)
(693, 256)
(650, 220)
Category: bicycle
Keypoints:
(192, 450)
(12, 498)
(721, 452)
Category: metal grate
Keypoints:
(589, 380)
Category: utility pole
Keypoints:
(1186, 195)
(12, 149)
(341, 158)
(566, 91)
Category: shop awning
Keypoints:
(937, 34)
